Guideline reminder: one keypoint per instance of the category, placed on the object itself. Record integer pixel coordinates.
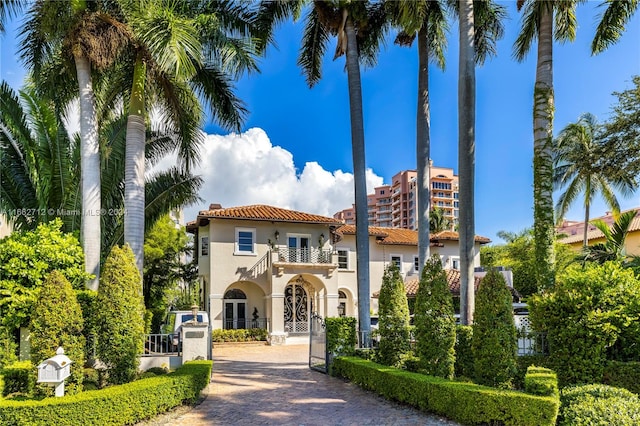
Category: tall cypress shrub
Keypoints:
(494, 340)
(434, 321)
(57, 321)
(120, 316)
(393, 314)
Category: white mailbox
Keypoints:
(54, 370)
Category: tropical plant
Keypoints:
(494, 340)
(438, 222)
(66, 42)
(621, 133)
(518, 255)
(612, 23)
(578, 170)
(393, 314)
(588, 311)
(613, 248)
(359, 27)
(41, 179)
(434, 322)
(57, 322)
(120, 319)
(26, 258)
(178, 50)
(425, 21)
(164, 247)
(480, 27)
(538, 24)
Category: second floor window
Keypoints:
(204, 246)
(397, 260)
(416, 263)
(343, 259)
(245, 241)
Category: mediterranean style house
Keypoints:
(268, 267)
(572, 233)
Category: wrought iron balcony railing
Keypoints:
(304, 255)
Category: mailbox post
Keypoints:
(55, 370)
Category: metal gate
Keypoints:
(318, 356)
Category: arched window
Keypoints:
(235, 294)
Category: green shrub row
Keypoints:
(240, 335)
(463, 351)
(598, 405)
(623, 375)
(341, 335)
(463, 402)
(117, 405)
(541, 381)
(18, 378)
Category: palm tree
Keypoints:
(578, 148)
(538, 24)
(613, 246)
(438, 222)
(40, 173)
(426, 21)
(64, 33)
(612, 23)
(176, 51)
(480, 24)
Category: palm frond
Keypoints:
(314, 44)
(612, 23)
(489, 28)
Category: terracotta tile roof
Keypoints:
(453, 279)
(400, 236)
(594, 234)
(267, 213)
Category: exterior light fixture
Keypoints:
(276, 235)
(341, 309)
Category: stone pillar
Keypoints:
(332, 305)
(216, 313)
(195, 341)
(277, 335)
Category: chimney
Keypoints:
(214, 206)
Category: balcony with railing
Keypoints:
(286, 257)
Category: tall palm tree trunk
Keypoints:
(466, 159)
(134, 167)
(90, 172)
(586, 224)
(543, 110)
(360, 181)
(423, 147)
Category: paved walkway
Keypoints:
(273, 385)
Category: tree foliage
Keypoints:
(393, 314)
(26, 258)
(164, 246)
(518, 254)
(57, 322)
(120, 319)
(494, 341)
(434, 321)
(590, 310)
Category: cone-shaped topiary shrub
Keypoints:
(57, 321)
(494, 341)
(120, 316)
(393, 314)
(434, 321)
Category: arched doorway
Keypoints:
(235, 309)
(298, 305)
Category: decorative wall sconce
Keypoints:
(321, 239)
(276, 235)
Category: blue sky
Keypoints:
(306, 126)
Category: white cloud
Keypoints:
(244, 169)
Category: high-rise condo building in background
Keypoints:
(396, 205)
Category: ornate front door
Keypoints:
(296, 309)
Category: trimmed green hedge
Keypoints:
(463, 402)
(19, 377)
(541, 381)
(341, 335)
(117, 405)
(623, 375)
(239, 335)
(598, 405)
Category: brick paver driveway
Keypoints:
(273, 385)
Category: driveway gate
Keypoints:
(318, 356)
